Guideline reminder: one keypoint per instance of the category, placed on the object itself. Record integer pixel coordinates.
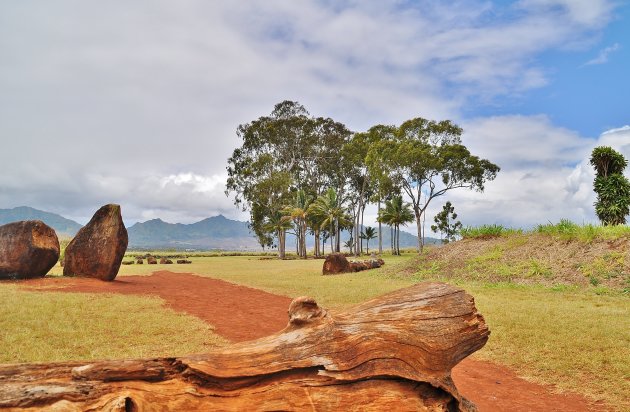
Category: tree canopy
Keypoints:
(294, 170)
(612, 187)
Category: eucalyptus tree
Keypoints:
(427, 159)
(288, 150)
(612, 187)
(364, 187)
(298, 212)
(396, 213)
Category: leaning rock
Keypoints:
(335, 263)
(98, 249)
(28, 249)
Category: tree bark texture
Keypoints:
(393, 353)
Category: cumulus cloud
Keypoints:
(545, 176)
(138, 103)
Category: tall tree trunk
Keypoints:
(303, 223)
(281, 244)
(391, 239)
(419, 227)
(392, 353)
(316, 252)
(380, 232)
(363, 227)
(398, 239)
(332, 237)
(355, 232)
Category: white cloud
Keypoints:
(602, 57)
(138, 103)
(545, 176)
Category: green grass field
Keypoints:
(575, 338)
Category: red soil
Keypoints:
(240, 313)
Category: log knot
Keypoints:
(304, 310)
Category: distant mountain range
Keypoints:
(64, 227)
(216, 232)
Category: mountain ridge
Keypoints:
(215, 232)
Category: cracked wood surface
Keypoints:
(393, 352)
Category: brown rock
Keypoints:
(165, 261)
(335, 263)
(127, 262)
(359, 266)
(98, 249)
(28, 249)
(183, 261)
(139, 261)
(151, 260)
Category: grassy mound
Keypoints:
(552, 255)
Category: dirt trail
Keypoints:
(240, 313)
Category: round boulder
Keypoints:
(28, 249)
(98, 248)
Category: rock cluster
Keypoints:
(28, 249)
(338, 263)
(98, 248)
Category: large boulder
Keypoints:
(335, 263)
(98, 248)
(28, 249)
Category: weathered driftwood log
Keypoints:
(395, 352)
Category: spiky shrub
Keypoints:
(612, 187)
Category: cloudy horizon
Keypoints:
(138, 104)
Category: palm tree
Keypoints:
(349, 243)
(368, 234)
(278, 224)
(298, 212)
(396, 213)
(333, 216)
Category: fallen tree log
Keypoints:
(394, 352)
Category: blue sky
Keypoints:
(138, 103)
(585, 90)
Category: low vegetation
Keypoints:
(54, 326)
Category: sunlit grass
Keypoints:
(290, 277)
(54, 326)
(569, 337)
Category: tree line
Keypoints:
(312, 175)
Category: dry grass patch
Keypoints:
(574, 339)
(50, 326)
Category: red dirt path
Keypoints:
(239, 313)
